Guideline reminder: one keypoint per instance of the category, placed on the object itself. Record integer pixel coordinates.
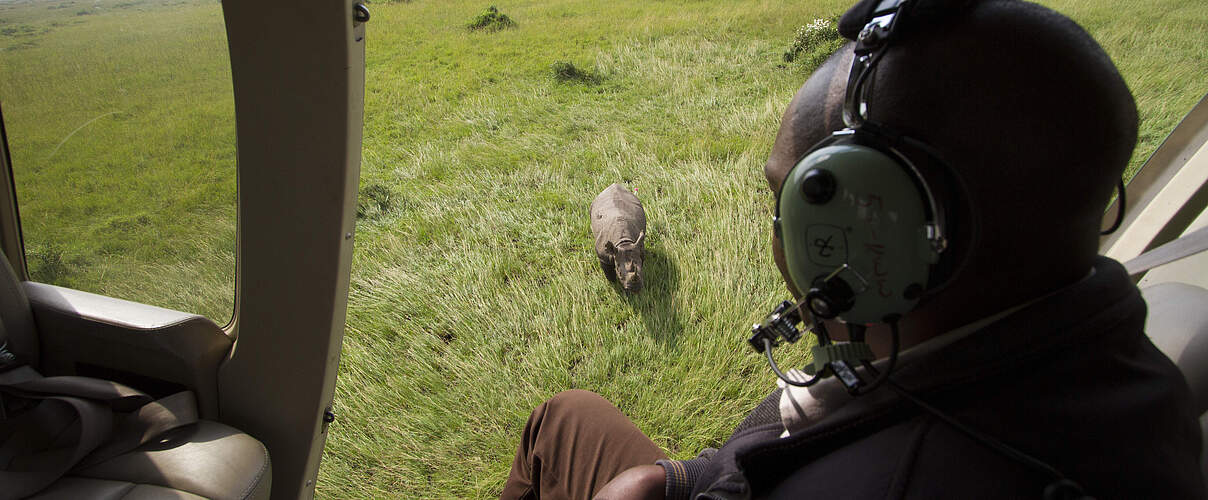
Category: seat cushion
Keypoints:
(206, 459)
(1178, 325)
(103, 489)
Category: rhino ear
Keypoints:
(609, 248)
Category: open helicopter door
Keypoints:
(298, 80)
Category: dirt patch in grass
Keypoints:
(567, 72)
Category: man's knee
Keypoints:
(576, 399)
(569, 409)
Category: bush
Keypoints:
(565, 71)
(490, 20)
(814, 42)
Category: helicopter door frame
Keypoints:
(298, 71)
(10, 217)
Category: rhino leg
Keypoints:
(610, 270)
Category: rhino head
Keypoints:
(627, 257)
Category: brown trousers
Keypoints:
(572, 446)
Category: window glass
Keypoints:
(120, 120)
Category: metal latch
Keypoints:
(328, 417)
(360, 13)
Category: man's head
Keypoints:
(1023, 105)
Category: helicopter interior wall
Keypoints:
(1166, 199)
(1191, 270)
(159, 351)
(1167, 195)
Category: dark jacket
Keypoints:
(1071, 380)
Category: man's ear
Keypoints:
(609, 248)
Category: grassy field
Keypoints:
(119, 115)
(475, 292)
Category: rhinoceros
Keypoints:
(619, 225)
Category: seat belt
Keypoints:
(50, 426)
(1182, 247)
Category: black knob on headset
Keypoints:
(819, 304)
(818, 186)
(829, 298)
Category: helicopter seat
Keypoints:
(1178, 325)
(203, 459)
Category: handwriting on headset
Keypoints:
(871, 208)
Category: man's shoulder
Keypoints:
(919, 457)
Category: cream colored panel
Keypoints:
(1138, 235)
(1191, 270)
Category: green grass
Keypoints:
(1159, 47)
(475, 292)
(120, 123)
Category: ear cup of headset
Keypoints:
(854, 227)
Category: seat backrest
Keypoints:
(1178, 325)
(16, 317)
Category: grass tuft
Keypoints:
(490, 20)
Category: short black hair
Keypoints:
(1025, 106)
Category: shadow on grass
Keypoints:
(656, 302)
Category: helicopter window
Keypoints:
(121, 126)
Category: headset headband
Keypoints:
(871, 43)
(880, 28)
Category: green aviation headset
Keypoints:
(864, 232)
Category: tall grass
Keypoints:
(475, 292)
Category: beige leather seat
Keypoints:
(203, 460)
(206, 459)
(1178, 325)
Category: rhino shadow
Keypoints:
(655, 304)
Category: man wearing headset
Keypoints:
(1010, 359)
